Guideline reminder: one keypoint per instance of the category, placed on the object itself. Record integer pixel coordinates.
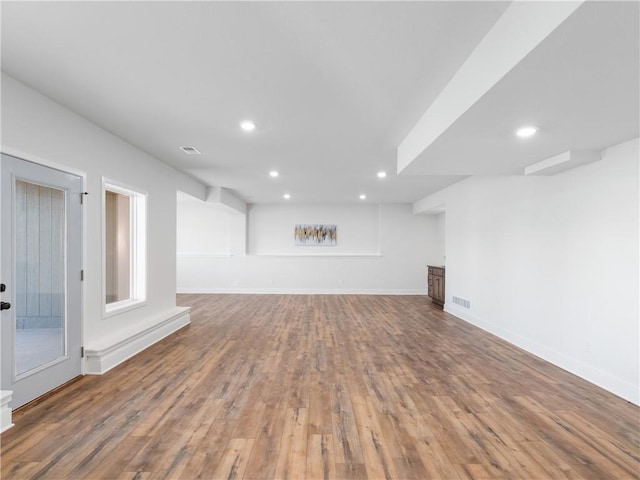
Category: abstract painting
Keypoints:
(324, 235)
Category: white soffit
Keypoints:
(518, 31)
(562, 162)
(224, 197)
(580, 86)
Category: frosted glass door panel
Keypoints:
(40, 333)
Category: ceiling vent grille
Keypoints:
(190, 150)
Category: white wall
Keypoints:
(37, 129)
(381, 249)
(441, 219)
(203, 228)
(551, 264)
(271, 229)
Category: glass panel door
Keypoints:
(40, 266)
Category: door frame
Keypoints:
(40, 161)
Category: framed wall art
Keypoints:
(316, 235)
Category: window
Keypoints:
(124, 226)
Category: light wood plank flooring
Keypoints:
(319, 387)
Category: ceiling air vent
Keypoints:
(190, 150)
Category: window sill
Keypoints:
(117, 308)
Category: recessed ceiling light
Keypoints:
(382, 174)
(527, 131)
(363, 197)
(287, 196)
(190, 150)
(247, 125)
(273, 173)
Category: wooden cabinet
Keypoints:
(435, 284)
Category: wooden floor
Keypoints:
(376, 387)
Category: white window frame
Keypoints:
(138, 268)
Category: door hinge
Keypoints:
(82, 275)
(82, 195)
(81, 352)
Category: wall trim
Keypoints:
(100, 359)
(316, 255)
(590, 373)
(203, 255)
(304, 291)
(29, 157)
(5, 410)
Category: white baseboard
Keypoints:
(306, 291)
(101, 358)
(5, 410)
(590, 373)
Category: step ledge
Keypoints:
(99, 360)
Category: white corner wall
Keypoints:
(37, 129)
(551, 264)
(381, 249)
(203, 228)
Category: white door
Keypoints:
(40, 267)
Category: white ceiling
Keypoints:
(334, 87)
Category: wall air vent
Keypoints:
(462, 302)
(190, 150)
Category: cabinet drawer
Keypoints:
(435, 271)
